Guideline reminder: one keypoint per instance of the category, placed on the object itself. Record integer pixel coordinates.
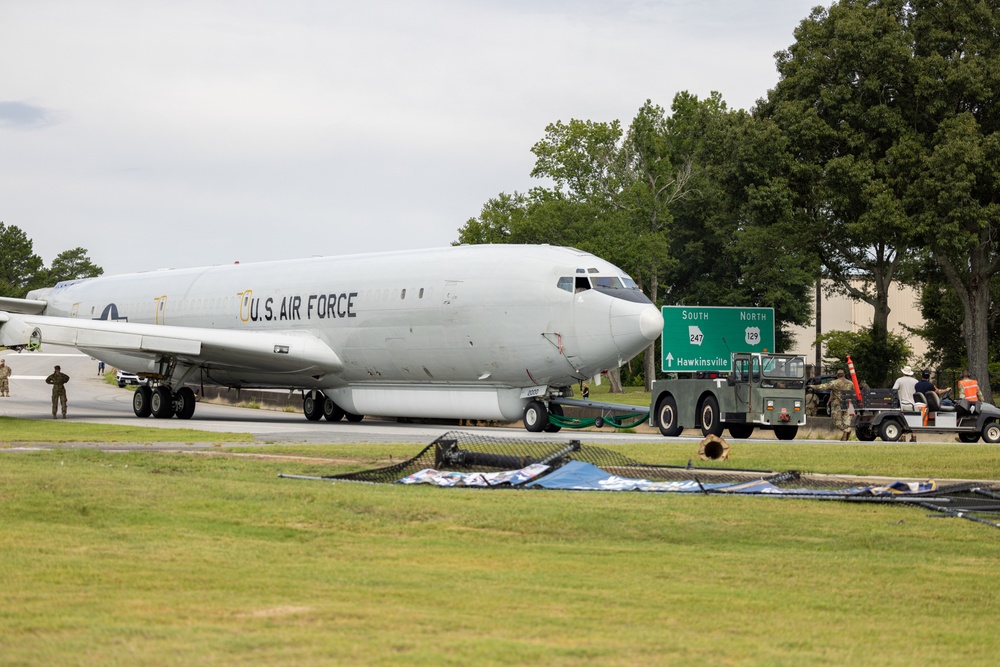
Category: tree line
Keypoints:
(21, 270)
(873, 162)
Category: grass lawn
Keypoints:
(177, 559)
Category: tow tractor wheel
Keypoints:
(710, 424)
(162, 403)
(312, 405)
(666, 417)
(536, 417)
(332, 412)
(743, 431)
(786, 432)
(140, 401)
(184, 403)
(991, 432)
(890, 430)
(968, 437)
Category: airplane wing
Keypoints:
(278, 352)
(26, 306)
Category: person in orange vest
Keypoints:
(969, 388)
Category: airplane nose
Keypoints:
(634, 325)
(651, 323)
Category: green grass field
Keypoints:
(177, 559)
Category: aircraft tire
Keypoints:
(536, 417)
(353, 418)
(554, 410)
(184, 403)
(162, 403)
(331, 411)
(140, 401)
(710, 422)
(312, 405)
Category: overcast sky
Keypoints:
(193, 132)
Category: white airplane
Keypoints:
(495, 332)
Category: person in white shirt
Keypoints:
(905, 386)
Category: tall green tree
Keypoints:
(951, 164)
(729, 258)
(843, 104)
(71, 265)
(19, 265)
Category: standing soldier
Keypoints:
(58, 381)
(839, 416)
(5, 373)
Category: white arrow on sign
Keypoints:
(695, 335)
(670, 359)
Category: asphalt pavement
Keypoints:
(92, 399)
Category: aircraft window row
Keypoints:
(420, 294)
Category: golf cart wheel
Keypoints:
(890, 430)
(991, 432)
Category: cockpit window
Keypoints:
(565, 283)
(610, 282)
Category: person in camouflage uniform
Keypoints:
(839, 415)
(5, 373)
(58, 381)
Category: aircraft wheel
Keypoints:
(332, 411)
(890, 430)
(140, 401)
(184, 403)
(162, 403)
(710, 424)
(743, 431)
(353, 418)
(786, 432)
(666, 417)
(968, 437)
(536, 417)
(312, 405)
(991, 432)
(558, 411)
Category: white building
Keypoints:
(840, 313)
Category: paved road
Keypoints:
(91, 399)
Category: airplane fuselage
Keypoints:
(468, 331)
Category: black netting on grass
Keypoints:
(465, 452)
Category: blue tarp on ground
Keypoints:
(580, 476)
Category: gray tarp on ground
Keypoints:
(580, 476)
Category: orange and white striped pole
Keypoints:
(854, 378)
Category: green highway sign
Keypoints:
(697, 338)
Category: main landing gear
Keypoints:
(316, 404)
(163, 403)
